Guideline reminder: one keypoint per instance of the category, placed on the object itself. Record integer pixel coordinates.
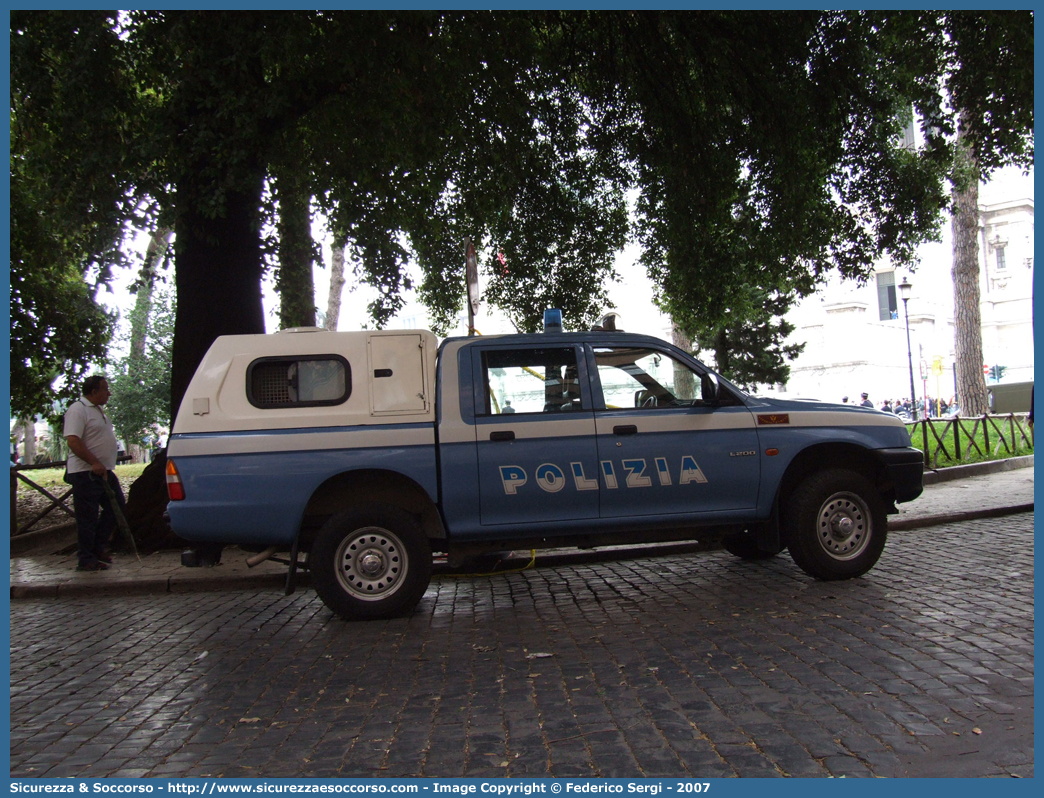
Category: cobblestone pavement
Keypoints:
(699, 665)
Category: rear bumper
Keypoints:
(905, 471)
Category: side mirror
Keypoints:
(709, 388)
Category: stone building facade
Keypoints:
(856, 334)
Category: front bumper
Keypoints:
(905, 471)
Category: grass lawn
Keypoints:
(30, 502)
(52, 478)
(1009, 436)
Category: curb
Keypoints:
(901, 525)
(152, 586)
(933, 477)
(52, 536)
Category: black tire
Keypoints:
(371, 562)
(835, 525)
(746, 547)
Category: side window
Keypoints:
(299, 381)
(530, 381)
(637, 377)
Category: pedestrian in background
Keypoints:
(866, 401)
(93, 449)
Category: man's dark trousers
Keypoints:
(95, 518)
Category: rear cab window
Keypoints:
(530, 380)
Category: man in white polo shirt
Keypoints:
(92, 442)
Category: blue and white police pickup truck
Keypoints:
(362, 453)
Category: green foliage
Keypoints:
(763, 150)
(751, 349)
(71, 191)
(53, 446)
(140, 383)
(989, 61)
(57, 327)
(773, 154)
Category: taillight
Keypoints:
(175, 490)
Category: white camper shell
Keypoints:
(308, 377)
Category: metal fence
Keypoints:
(57, 502)
(955, 440)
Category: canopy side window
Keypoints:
(298, 381)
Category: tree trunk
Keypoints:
(217, 278)
(140, 317)
(217, 167)
(333, 305)
(721, 352)
(971, 385)
(684, 384)
(26, 428)
(294, 282)
(143, 299)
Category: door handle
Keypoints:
(502, 435)
(625, 429)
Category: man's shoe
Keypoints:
(92, 566)
(105, 557)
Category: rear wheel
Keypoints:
(369, 563)
(835, 525)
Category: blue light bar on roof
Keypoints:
(552, 320)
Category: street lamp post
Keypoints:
(905, 288)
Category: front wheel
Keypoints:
(835, 525)
(370, 563)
